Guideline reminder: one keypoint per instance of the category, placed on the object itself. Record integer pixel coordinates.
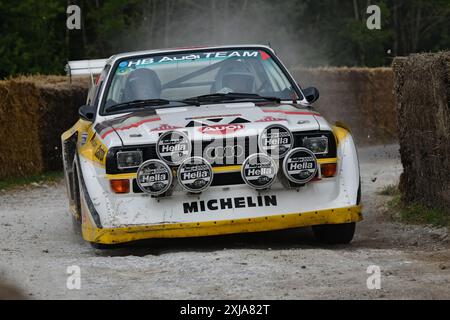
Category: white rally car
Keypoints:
(205, 141)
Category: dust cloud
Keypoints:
(197, 23)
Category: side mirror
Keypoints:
(311, 94)
(87, 113)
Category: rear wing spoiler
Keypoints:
(85, 68)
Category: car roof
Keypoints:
(115, 57)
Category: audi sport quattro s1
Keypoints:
(205, 141)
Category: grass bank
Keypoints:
(413, 213)
(11, 183)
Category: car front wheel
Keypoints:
(335, 233)
(102, 246)
(76, 218)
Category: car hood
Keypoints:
(209, 122)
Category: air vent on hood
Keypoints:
(240, 120)
(195, 124)
(215, 119)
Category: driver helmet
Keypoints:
(142, 84)
(235, 77)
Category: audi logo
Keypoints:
(224, 152)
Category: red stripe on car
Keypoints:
(293, 112)
(134, 125)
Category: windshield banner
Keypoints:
(194, 56)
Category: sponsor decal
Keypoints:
(221, 129)
(300, 165)
(276, 141)
(230, 203)
(173, 147)
(100, 153)
(154, 177)
(264, 55)
(259, 171)
(84, 138)
(228, 151)
(189, 57)
(270, 119)
(164, 127)
(195, 175)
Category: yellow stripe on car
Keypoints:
(94, 150)
(225, 169)
(209, 228)
(327, 160)
(340, 133)
(121, 176)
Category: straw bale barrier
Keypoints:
(34, 111)
(362, 98)
(422, 85)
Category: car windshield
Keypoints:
(179, 76)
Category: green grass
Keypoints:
(417, 213)
(10, 183)
(389, 190)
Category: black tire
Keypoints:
(76, 219)
(358, 195)
(102, 246)
(76, 225)
(335, 233)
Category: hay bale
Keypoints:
(58, 112)
(34, 111)
(10, 292)
(19, 152)
(422, 85)
(362, 98)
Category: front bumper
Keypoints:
(109, 218)
(211, 228)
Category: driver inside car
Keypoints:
(235, 77)
(239, 82)
(142, 84)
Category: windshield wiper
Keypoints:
(140, 104)
(214, 97)
(218, 97)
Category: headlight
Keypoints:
(154, 177)
(259, 171)
(276, 141)
(318, 145)
(173, 147)
(195, 174)
(300, 165)
(129, 159)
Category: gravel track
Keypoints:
(37, 245)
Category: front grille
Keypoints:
(136, 188)
(227, 179)
(220, 179)
(248, 146)
(221, 152)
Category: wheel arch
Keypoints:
(347, 149)
(69, 149)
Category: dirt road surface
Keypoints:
(37, 246)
